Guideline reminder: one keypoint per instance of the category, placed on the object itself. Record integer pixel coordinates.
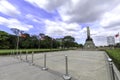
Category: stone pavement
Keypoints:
(83, 65)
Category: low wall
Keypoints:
(115, 72)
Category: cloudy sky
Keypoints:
(58, 18)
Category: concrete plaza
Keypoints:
(83, 65)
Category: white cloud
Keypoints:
(39, 3)
(48, 5)
(111, 18)
(14, 23)
(76, 10)
(29, 16)
(110, 22)
(58, 28)
(34, 18)
(83, 11)
(8, 9)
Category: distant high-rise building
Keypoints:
(111, 40)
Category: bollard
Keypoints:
(45, 68)
(26, 56)
(11, 53)
(66, 76)
(17, 54)
(111, 68)
(32, 57)
(20, 55)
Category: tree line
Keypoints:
(27, 41)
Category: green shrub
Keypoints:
(8, 51)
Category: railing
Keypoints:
(114, 72)
(66, 76)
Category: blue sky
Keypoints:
(58, 18)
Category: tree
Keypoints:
(68, 41)
(69, 38)
(41, 37)
(59, 42)
(4, 43)
(9, 41)
(46, 42)
(25, 42)
(117, 45)
(34, 41)
(55, 43)
(12, 41)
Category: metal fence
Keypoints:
(114, 73)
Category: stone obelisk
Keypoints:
(89, 44)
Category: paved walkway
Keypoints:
(83, 65)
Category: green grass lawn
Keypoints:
(115, 55)
(8, 51)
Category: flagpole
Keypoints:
(42, 37)
(17, 32)
(39, 42)
(17, 44)
(118, 36)
(119, 39)
(51, 43)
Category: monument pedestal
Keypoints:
(89, 44)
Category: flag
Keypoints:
(22, 35)
(117, 35)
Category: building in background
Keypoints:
(111, 40)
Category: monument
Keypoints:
(89, 44)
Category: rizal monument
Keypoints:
(89, 44)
